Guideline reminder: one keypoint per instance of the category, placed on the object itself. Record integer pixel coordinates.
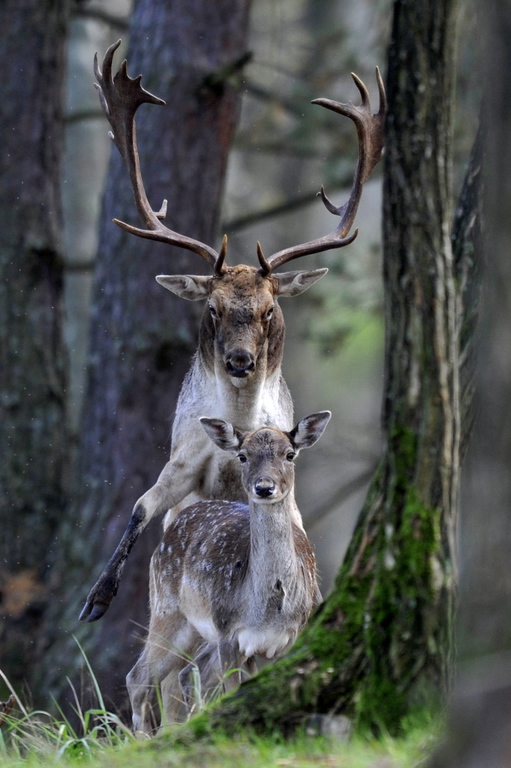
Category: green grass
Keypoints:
(267, 753)
(39, 740)
(114, 751)
(100, 740)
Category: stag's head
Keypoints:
(242, 316)
(242, 322)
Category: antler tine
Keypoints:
(370, 131)
(120, 97)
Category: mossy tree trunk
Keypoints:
(142, 337)
(32, 353)
(380, 644)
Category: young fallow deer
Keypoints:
(236, 372)
(229, 579)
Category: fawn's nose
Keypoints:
(265, 487)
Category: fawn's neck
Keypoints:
(272, 547)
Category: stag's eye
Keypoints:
(268, 314)
(212, 311)
(242, 458)
(290, 456)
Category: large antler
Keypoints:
(120, 98)
(370, 130)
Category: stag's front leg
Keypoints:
(176, 481)
(105, 589)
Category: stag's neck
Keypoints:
(263, 399)
(246, 403)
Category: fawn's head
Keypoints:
(267, 454)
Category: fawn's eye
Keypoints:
(242, 458)
(290, 456)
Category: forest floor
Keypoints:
(98, 738)
(237, 754)
(37, 741)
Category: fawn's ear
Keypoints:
(309, 430)
(190, 287)
(223, 434)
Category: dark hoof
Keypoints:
(93, 610)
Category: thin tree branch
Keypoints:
(292, 204)
(341, 495)
(109, 18)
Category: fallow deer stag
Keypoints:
(236, 372)
(229, 579)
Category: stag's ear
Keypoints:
(223, 434)
(191, 287)
(294, 283)
(309, 430)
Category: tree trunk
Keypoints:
(380, 644)
(479, 732)
(468, 253)
(32, 355)
(142, 337)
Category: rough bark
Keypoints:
(32, 354)
(142, 337)
(467, 239)
(479, 732)
(380, 644)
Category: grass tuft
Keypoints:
(39, 738)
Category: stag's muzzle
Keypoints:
(240, 364)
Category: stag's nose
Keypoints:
(240, 364)
(265, 487)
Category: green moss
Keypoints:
(403, 443)
(402, 643)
